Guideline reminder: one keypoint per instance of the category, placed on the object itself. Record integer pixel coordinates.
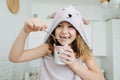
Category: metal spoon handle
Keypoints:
(51, 35)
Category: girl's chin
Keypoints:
(64, 44)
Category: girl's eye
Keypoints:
(59, 26)
(70, 26)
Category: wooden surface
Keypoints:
(13, 6)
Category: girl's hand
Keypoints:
(67, 56)
(34, 24)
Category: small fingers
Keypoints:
(41, 25)
(36, 24)
(67, 57)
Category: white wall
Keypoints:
(45, 8)
(10, 26)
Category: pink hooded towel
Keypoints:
(71, 15)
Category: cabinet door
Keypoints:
(116, 48)
(88, 32)
(99, 38)
(116, 58)
(116, 28)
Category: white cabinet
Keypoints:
(88, 32)
(99, 38)
(111, 63)
(96, 35)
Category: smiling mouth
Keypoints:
(64, 38)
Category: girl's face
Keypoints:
(66, 33)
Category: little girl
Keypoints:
(67, 27)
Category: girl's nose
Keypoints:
(65, 29)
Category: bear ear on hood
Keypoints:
(85, 21)
(51, 16)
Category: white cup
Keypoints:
(57, 51)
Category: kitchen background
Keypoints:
(103, 33)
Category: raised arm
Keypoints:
(17, 52)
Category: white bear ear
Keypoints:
(51, 16)
(85, 21)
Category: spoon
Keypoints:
(52, 36)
